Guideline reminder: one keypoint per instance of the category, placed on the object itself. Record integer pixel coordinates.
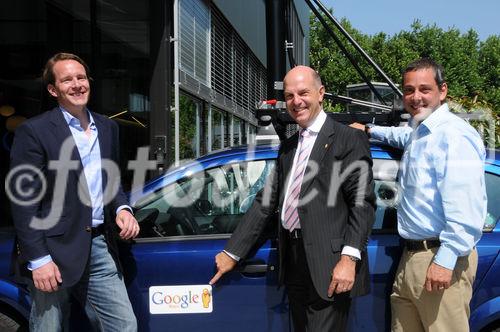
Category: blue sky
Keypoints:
(391, 16)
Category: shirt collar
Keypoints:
(315, 127)
(436, 117)
(73, 121)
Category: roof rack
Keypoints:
(274, 112)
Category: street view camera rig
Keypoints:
(383, 113)
(274, 112)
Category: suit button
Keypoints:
(88, 229)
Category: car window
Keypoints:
(209, 202)
(386, 213)
(385, 173)
(388, 193)
(493, 194)
(213, 201)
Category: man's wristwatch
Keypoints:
(352, 258)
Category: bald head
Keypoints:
(303, 93)
(303, 71)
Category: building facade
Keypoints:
(180, 76)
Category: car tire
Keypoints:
(8, 324)
(495, 327)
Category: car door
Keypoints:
(485, 302)
(372, 312)
(184, 224)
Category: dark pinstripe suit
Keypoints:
(326, 228)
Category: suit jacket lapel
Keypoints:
(289, 153)
(103, 135)
(286, 160)
(62, 133)
(321, 146)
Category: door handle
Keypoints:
(254, 268)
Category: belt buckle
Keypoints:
(98, 230)
(415, 245)
(431, 243)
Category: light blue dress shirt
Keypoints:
(90, 155)
(442, 183)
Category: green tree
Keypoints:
(489, 67)
(472, 67)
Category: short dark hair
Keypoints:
(426, 63)
(48, 72)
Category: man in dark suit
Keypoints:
(322, 188)
(65, 193)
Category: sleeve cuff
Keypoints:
(375, 132)
(39, 262)
(446, 258)
(351, 251)
(121, 207)
(233, 256)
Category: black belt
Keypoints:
(295, 234)
(420, 245)
(99, 230)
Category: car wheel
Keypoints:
(8, 324)
(492, 327)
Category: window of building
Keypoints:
(236, 137)
(244, 132)
(296, 34)
(236, 73)
(194, 39)
(189, 127)
(252, 133)
(207, 127)
(217, 129)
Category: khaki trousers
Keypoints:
(416, 309)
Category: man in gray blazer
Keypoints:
(322, 188)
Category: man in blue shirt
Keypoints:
(442, 207)
(66, 199)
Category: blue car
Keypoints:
(188, 214)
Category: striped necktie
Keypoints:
(291, 219)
